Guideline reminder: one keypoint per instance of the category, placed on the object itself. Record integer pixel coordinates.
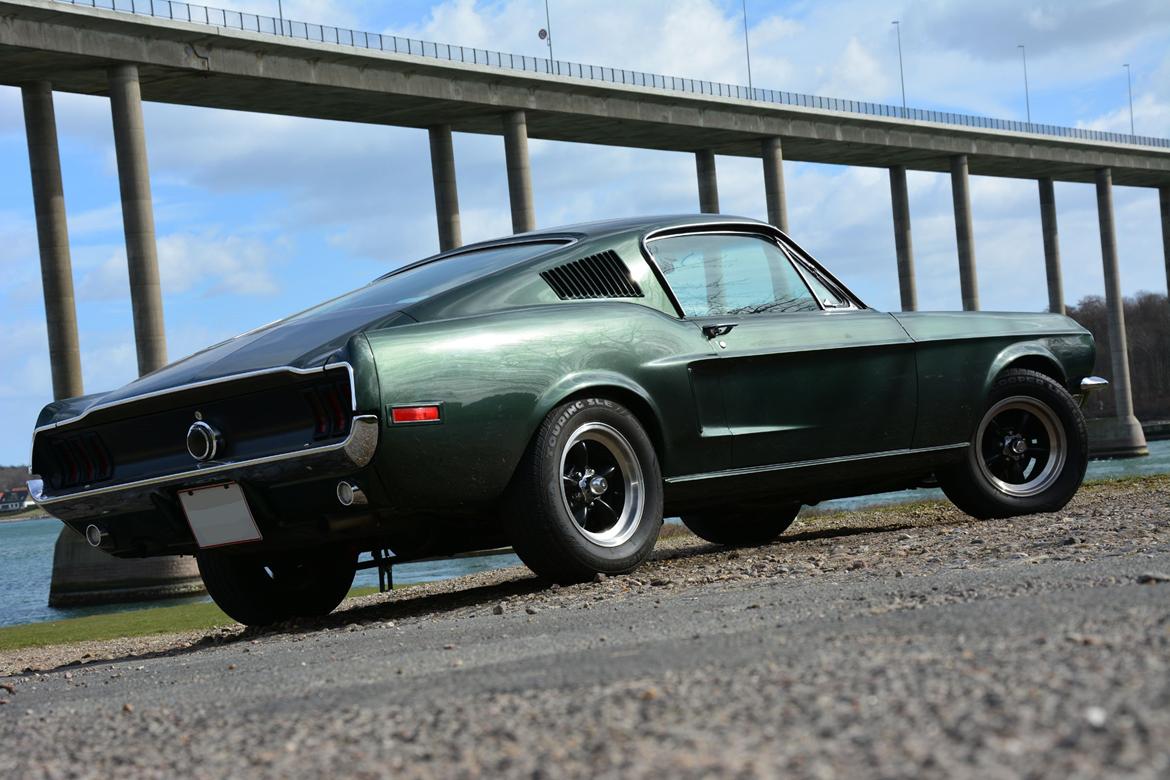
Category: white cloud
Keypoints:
(206, 263)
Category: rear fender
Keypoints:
(604, 384)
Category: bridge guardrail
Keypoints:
(289, 28)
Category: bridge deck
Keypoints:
(195, 64)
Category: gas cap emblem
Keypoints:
(203, 441)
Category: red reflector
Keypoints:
(411, 414)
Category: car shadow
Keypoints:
(400, 604)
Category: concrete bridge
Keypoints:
(172, 52)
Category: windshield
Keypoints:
(402, 288)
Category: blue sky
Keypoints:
(259, 216)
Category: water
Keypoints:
(26, 564)
(26, 549)
(1158, 462)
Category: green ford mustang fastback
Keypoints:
(559, 392)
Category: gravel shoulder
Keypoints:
(897, 641)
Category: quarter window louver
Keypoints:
(602, 275)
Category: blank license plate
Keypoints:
(219, 515)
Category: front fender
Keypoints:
(1030, 354)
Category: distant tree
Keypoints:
(12, 476)
(1147, 325)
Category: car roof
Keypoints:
(610, 227)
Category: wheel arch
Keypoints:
(1032, 356)
(615, 387)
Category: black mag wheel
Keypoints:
(742, 526)
(587, 496)
(602, 484)
(1022, 446)
(261, 589)
(1028, 453)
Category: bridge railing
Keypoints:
(289, 28)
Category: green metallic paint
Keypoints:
(499, 375)
(795, 406)
(888, 394)
(961, 354)
(812, 385)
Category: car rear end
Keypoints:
(251, 458)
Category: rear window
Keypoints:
(402, 288)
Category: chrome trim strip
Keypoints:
(359, 446)
(748, 470)
(795, 256)
(532, 237)
(208, 383)
(1091, 383)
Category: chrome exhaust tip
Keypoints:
(349, 494)
(98, 538)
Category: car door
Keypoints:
(803, 376)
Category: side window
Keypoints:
(714, 275)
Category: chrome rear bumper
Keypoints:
(343, 457)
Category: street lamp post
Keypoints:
(548, 26)
(1129, 83)
(280, 13)
(747, 48)
(901, 73)
(1027, 98)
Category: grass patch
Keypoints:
(115, 625)
(123, 625)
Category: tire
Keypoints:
(258, 590)
(587, 496)
(1028, 454)
(742, 527)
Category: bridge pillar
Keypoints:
(964, 233)
(446, 190)
(1120, 436)
(81, 574)
(1164, 207)
(774, 191)
(44, 162)
(519, 172)
(1051, 245)
(138, 217)
(903, 243)
(708, 181)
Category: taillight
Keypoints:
(330, 407)
(80, 460)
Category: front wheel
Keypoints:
(1029, 452)
(261, 589)
(587, 497)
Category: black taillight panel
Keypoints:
(79, 459)
(255, 418)
(330, 406)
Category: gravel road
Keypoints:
(888, 643)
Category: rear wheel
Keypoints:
(742, 527)
(258, 590)
(587, 497)
(1029, 452)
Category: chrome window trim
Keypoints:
(805, 271)
(761, 231)
(359, 444)
(560, 240)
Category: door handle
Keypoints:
(720, 329)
